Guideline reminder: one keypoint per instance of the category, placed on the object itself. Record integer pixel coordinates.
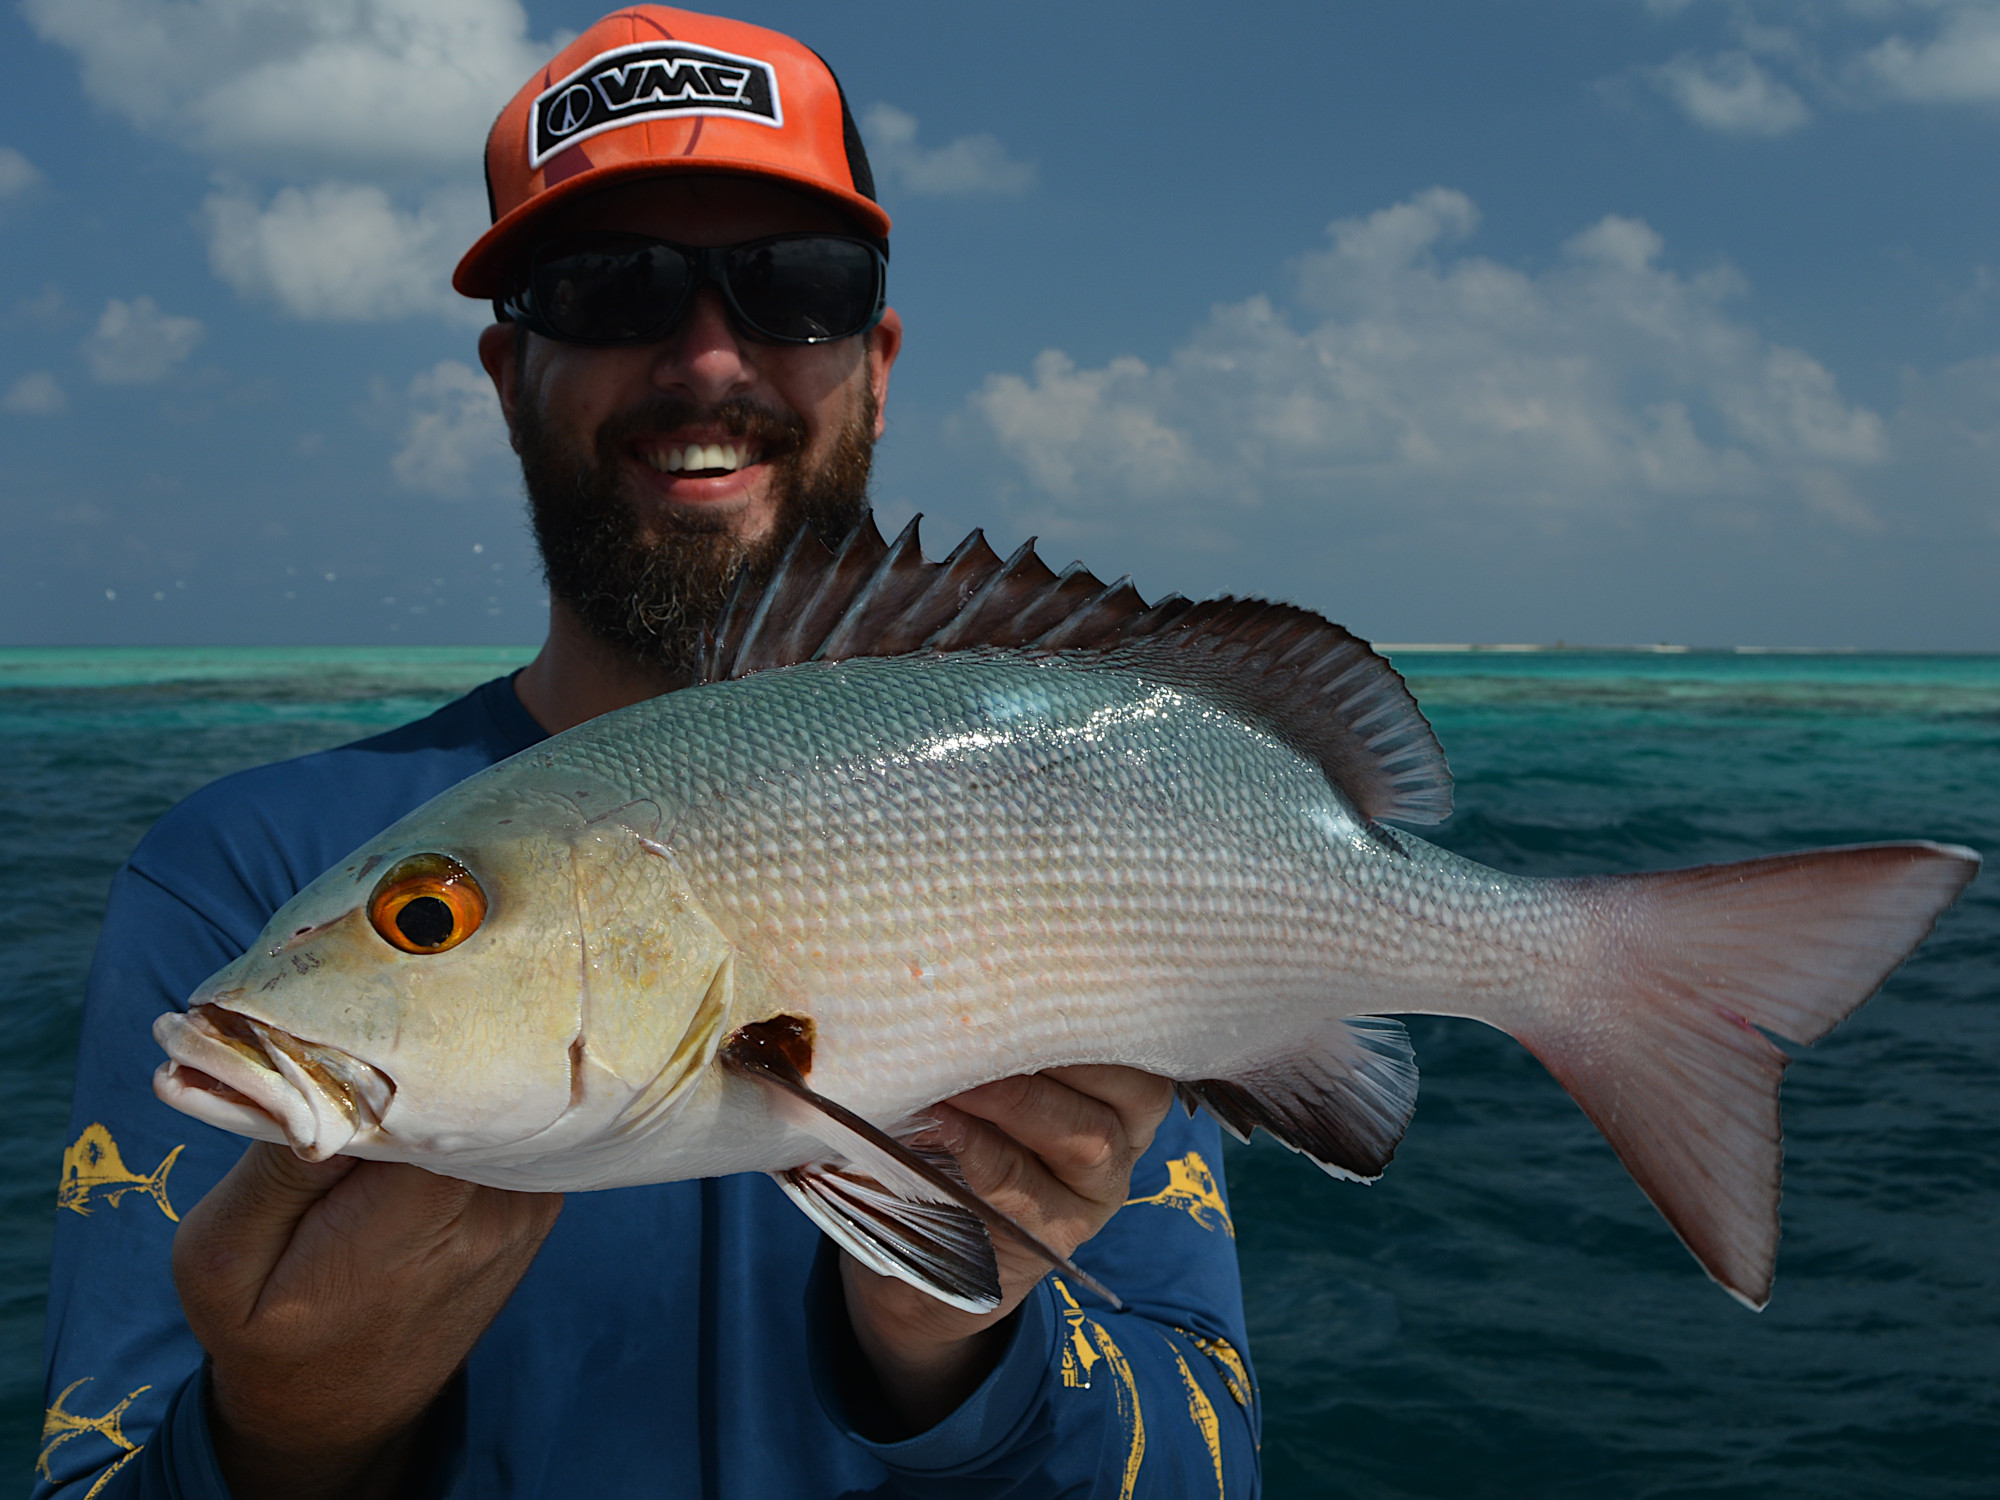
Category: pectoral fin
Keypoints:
(938, 1247)
(894, 1208)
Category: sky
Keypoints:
(1597, 321)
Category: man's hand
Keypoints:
(1055, 1150)
(335, 1300)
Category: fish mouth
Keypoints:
(252, 1078)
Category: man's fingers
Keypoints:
(1002, 1171)
(336, 1298)
(391, 1224)
(271, 1183)
(1140, 1099)
(1054, 1151)
(1088, 1124)
(397, 1206)
(280, 1231)
(1071, 1131)
(241, 1229)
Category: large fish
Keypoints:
(927, 825)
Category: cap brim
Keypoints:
(484, 270)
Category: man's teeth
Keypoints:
(727, 457)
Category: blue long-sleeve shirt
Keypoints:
(687, 1339)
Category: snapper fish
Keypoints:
(920, 826)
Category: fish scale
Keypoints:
(1209, 899)
(763, 923)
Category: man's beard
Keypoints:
(651, 599)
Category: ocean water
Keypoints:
(1503, 1314)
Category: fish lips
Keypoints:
(232, 1071)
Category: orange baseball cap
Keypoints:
(649, 90)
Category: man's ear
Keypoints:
(885, 342)
(498, 353)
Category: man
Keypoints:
(693, 357)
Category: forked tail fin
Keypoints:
(155, 1186)
(1659, 1042)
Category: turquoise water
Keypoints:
(1502, 1315)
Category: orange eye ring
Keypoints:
(426, 904)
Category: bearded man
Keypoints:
(692, 354)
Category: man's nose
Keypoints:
(705, 356)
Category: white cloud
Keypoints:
(1959, 65)
(453, 435)
(1841, 55)
(135, 343)
(350, 113)
(343, 86)
(1415, 376)
(344, 251)
(1731, 93)
(17, 173)
(970, 166)
(35, 395)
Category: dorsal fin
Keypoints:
(1322, 690)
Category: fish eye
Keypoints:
(426, 904)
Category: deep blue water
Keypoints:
(1503, 1314)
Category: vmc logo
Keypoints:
(653, 78)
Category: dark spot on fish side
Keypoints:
(789, 1037)
(576, 1071)
(1386, 839)
(372, 862)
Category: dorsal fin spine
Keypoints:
(770, 596)
(1316, 654)
(1316, 686)
(1085, 619)
(864, 597)
(963, 561)
(974, 606)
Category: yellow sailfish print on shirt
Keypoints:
(1201, 1412)
(94, 1172)
(1077, 1358)
(60, 1426)
(1192, 1186)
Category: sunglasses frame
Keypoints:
(709, 264)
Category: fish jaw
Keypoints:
(477, 1038)
(570, 1023)
(231, 1071)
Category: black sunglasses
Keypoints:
(611, 289)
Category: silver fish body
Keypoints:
(943, 869)
(959, 868)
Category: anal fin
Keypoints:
(897, 1209)
(1344, 1103)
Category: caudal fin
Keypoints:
(155, 1186)
(1665, 1055)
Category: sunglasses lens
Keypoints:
(806, 288)
(610, 292)
(622, 289)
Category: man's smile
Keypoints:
(700, 460)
